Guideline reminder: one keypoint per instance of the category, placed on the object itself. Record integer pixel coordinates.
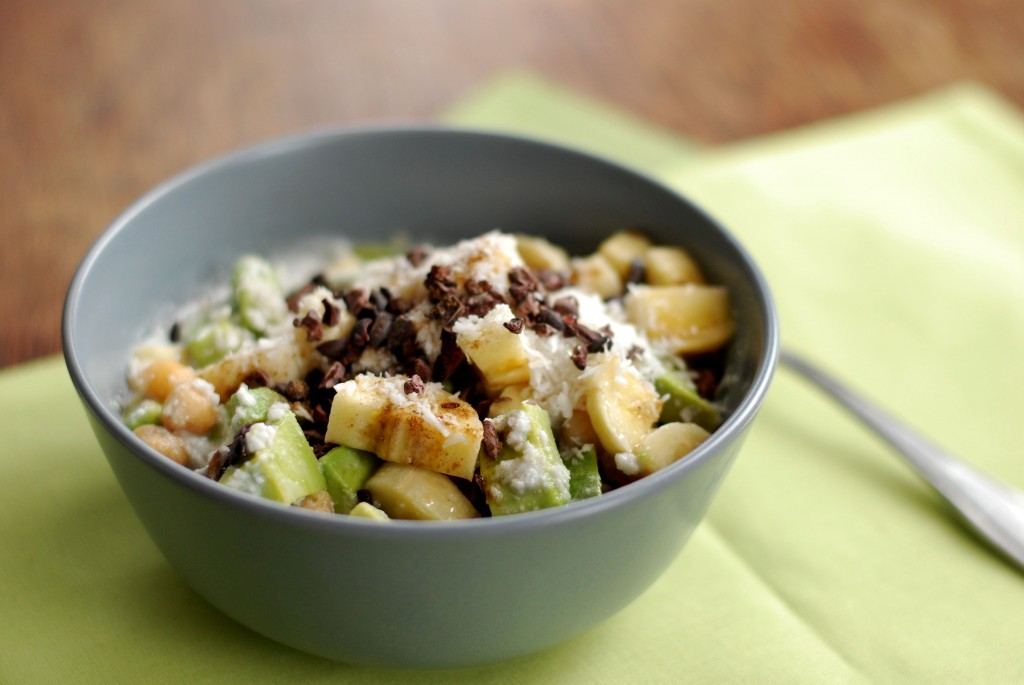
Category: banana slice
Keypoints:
(623, 407)
(497, 353)
(622, 249)
(282, 359)
(356, 413)
(409, 492)
(430, 428)
(596, 274)
(509, 399)
(578, 430)
(687, 318)
(670, 265)
(668, 443)
(538, 253)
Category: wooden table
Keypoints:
(100, 100)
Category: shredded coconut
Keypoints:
(428, 331)
(553, 375)
(374, 360)
(488, 257)
(313, 301)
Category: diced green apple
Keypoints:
(284, 469)
(346, 471)
(528, 473)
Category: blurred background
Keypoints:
(101, 100)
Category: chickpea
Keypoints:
(162, 376)
(164, 442)
(190, 408)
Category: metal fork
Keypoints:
(994, 510)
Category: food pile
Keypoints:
(492, 377)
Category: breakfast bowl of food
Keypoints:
(418, 397)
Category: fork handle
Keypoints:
(994, 510)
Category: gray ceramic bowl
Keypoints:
(402, 593)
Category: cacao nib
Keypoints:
(579, 357)
(491, 442)
(553, 280)
(397, 306)
(543, 330)
(313, 435)
(332, 314)
(322, 448)
(481, 303)
(333, 349)
(420, 367)
(380, 329)
(522, 277)
(417, 255)
(449, 310)
(335, 374)
(313, 326)
(514, 325)
(320, 414)
(218, 462)
(551, 318)
(294, 391)
(356, 301)
(400, 333)
(566, 306)
(706, 382)
(256, 379)
(637, 272)
(360, 336)
(293, 299)
(379, 299)
(526, 308)
(477, 287)
(414, 385)
(439, 282)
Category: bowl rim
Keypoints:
(100, 410)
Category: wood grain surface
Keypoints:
(100, 100)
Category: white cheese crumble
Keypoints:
(259, 437)
(199, 448)
(530, 469)
(245, 396)
(207, 390)
(627, 463)
(277, 411)
(246, 480)
(518, 423)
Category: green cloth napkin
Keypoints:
(894, 242)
